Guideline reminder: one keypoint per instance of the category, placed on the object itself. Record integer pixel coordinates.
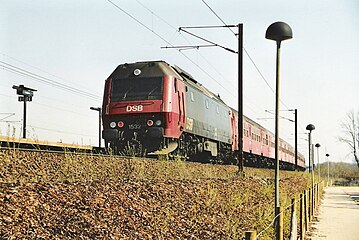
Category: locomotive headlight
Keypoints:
(158, 122)
(137, 72)
(120, 124)
(150, 123)
(112, 124)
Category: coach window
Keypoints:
(192, 96)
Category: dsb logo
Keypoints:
(138, 108)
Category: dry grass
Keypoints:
(90, 197)
(20, 166)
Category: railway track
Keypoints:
(29, 145)
(7, 143)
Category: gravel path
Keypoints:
(338, 215)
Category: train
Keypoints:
(153, 108)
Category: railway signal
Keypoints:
(26, 95)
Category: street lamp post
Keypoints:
(327, 155)
(278, 31)
(310, 128)
(99, 123)
(318, 167)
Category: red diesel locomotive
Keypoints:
(152, 108)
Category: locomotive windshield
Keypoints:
(131, 89)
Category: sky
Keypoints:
(66, 49)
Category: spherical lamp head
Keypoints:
(279, 31)
(317, 145)
(310, 127)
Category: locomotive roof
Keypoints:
(191, 81)
(149, 69)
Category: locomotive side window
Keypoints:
(192, 96)
(130, 89)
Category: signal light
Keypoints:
(158, 122)
(150, 123)
(120, 124)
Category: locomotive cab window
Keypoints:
(131, 89)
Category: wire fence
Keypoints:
(308, 203)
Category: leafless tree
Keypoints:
(350, 127)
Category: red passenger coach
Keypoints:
(154, 108)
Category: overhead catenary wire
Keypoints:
(52, 106)
(60, 131)
(180, 50)
(162, 38)
(249, 56)
(39, 69)
(53, 130)
(190, 47)
(61, 109)
(246, 52)
(213, 44)
(58, 100)
(19, 123)
(177, 30)
(25, 73)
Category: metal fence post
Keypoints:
(280, 224)
(250, 235)
(302, 217)
(293, 222)
(306, 209)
